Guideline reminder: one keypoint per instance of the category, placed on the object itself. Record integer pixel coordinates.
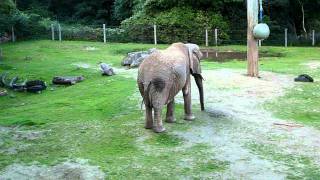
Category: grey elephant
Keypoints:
(162, 75)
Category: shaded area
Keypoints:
(225, 56)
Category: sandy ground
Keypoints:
(234, 120)
(78, 169)
(313, 65)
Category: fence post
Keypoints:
(313, 38)
(0, 54)
(155, 34)
(207, 43)
(286, 37)
(52, 32)
(13, 37)
(59, 27)
(216, 37)
(104, 34)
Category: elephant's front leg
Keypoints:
(149, 119)
(158, 121)
(170, 112)
(187, 101)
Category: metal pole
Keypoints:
(60, 38)
(13, 35)
(216, 37)
(104, 34)
(207, 43)
(286, 37)
(260, 43)
(155, 34)
(252, 44)
(52, 32)
(313, 38)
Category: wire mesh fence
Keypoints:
(170, 34)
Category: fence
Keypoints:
(158, 34)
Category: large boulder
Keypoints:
(134, 59)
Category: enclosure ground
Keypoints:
(266, 128)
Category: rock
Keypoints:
(3, 92)
(35, 86)
(134, 59)
(106, 69)
(303, 78)
(68, 80)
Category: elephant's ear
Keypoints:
(194, 58)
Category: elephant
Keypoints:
(162, 75)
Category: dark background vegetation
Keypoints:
(176, 19)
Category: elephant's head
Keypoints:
(195, 55)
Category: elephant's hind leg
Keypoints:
(158, 128)
(149, 119)
(170, 112)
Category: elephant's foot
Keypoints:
(189, 117)
(159, 129)
(170, 119)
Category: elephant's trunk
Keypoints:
(198, 78)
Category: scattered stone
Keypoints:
(303, 78)
(134, 59)
(106, 69)
(3, 92)
(68, 80)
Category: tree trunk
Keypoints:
(303, 20)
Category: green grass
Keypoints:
(98, 119)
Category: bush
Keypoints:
(178, 24)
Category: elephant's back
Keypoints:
(163, 64)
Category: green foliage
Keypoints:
(174, 25)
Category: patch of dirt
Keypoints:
(19, 139)
(79, 169)
(224, 56)
(314, 65)
(81, 65)
(90, 48)
(235, 118)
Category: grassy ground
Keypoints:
(99, 120)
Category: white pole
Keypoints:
(207, 43)
(286, 37)
(313, 38)
(104, 34)
(260, 43)
(155, 34)
(13, 35)
(52, 32)
(216, 37)
(60, 38)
